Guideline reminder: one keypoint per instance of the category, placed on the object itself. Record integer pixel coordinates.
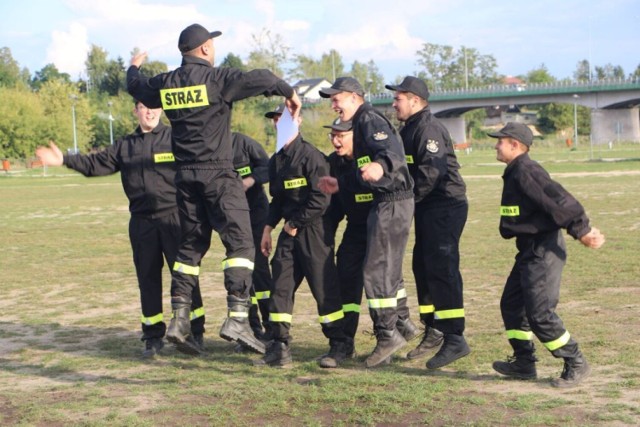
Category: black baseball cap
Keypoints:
(340, 125)
(342, 84)
(277, 112)
(516, 131)
(193, 36)
(412, 84)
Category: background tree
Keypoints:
(21, 123)
(369, 76)
(636, 74)
(48, 73)
(539, 75)
(583, 71)
(269, 52)
(97, 65)
(233, 61)
(447, 68)
(329, 66)
(10, 73)
(609, 71)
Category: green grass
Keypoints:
(69, 332)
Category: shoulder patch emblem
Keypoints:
(433, 146)
(380, 136)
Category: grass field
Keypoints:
(69, 325)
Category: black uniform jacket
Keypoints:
(432, 162)
(375, 139)
(355, 206)
(294, 172)
(197, 98)
(533, 203)
(146, 167)
(250, 159)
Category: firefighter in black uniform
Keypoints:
(197, 98)
(440, 215)
(534, 209)
(252, 164)
(380, 166)
(304, 249)
(147, 171)
(353, 247)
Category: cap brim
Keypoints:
(215, 34)
(326, 93)
(396, 88)
(498, 135)
(272, 114)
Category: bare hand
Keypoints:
(294, 105)
(372, 172)
(265, 243)
(137, 60)
(328, 185)
(50, 156)
(248, 182)
(594, 239)
(290, 230)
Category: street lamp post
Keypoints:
(110, 122)
(575, 118)
(74, 98)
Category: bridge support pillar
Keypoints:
(456, 127)
(615, 125)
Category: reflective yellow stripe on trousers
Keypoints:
(328, 318)
(151, 320)
(186, 269)
(280, 317)
(383, 302)
(237, 262)
(198, 312)
(455, 313)
(557, 343)
(517, 334)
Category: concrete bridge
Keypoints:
(614, 105)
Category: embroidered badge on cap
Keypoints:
(380, 136)
(433, 146)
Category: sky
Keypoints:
(520, 35)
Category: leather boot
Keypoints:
(575, 370)
(277, 355)
(453, 348)
(432, 338)
(337, 353)
(520, 367)
(389, 341)
(179, 331)
(407, 328)
(236, 325)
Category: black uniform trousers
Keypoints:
(436, 265)
(153, 241)
(262, 281)
(213, 199)
(350, 260)
(307, 255)
(388, 226)
(531, 294)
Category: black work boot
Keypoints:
(520, 367)
(179, 331)
(453, 348)
(575, 370)
(199, 339)
(277, 355)
(152, 346)
(236, 325)
(389, 341)
(337, 353)
(254, 322)
(407, 328)
(431, 339)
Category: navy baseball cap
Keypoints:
(276, 112)
(342, 84)
(412, 84)
(193, 36)
(340, 125)
(516, 131)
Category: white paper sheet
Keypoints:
(286, 129)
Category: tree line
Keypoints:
(40, 107)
